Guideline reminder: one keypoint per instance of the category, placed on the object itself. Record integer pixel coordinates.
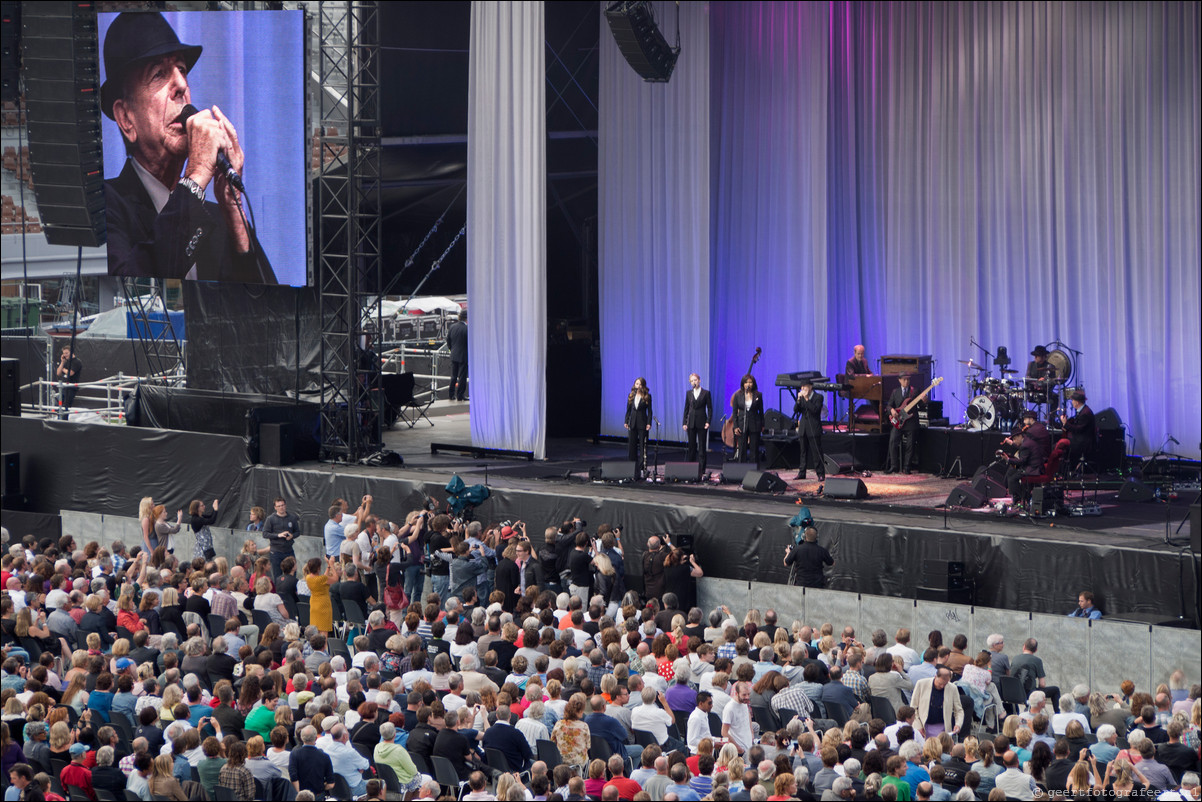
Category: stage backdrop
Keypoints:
(653, 199)
(507, 226)
(1016, 173)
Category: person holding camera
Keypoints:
(580, 569)
(807, 560)
(681, 573)
(653, 568)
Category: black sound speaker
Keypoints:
(945, 595)
(10, 51)
(733, 472)
(838, 463)
(764, 482)
(1135, 490)
(618, 471)
(777, 421)
(682, 471)
(1046, 499)
(682, 542)
(845, 487)
(1108, 420)
(994, 470)
(1195, 528)
(10, 463)
(638, 36)
(963, 495)
(10, 387)
(988, 487)
(275, 444)
(63, 110)
(1111, 451)
(943, 574)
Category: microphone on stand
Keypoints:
(223, 163)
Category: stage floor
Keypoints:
(916, 499)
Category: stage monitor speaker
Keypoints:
(733, 472)
(963, 495)
(1045, 499)
(682, 471)
(1108, 420)
(683, 542)
(10, 387)
(275, 444)
(988, 487)
(617, 471)
(63, 112)
(845, 487)
(640, 40)
(1195, 528)
(764, 482)
(777, 421)
(1135, 490)
(11, 466)
(994, 470)
(838, 463)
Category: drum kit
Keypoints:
(998, 402)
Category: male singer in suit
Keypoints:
(698, 411)
(809, 428)
(457, 344)
(901, 440)
(1081, 430)
(159, 223)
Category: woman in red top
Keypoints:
(127, 616)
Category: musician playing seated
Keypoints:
(1041, 375)
(901, 438)
(1027, 461)
(858, 364)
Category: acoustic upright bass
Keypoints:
(728, 428)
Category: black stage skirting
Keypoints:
(941, 451)
(107, 469)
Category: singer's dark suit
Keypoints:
(637, 420)
(457, 344)
(901, 441)
(1082, 435)
(698, 412)
(749, 420)
(809, 432)
(169, 243)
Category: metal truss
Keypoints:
(348, 228)
(158, 344)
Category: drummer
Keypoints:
(1041, 375)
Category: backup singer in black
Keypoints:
(747, 406)
(809, 429)
(638, 423)
(698, 412)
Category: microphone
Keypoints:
(223, 163)
(1174, 440)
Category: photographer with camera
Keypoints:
(653, 568)
(517, 569)
(681, 573)
(806, 560)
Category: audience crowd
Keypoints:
(430, 658)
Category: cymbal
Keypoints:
(971, 364)
(1007, 370)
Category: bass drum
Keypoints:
(987, 412)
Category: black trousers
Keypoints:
(458, 389)
(698, 445)
(901, 447)
(636, 448)
(749, 447)
(811, 444)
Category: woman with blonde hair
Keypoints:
(75, 695)
(162, 782)
(146, 521)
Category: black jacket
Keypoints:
(457, 341)
(809, 422)
(698, 411)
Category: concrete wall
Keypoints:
(1099, 654)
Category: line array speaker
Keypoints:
(640, 40)
(10, 387)
(62, 107)
(11, 464)
(10, 50)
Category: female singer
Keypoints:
(747, 405)
(638, 423)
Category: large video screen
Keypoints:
(204, 145)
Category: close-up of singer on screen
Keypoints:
(160, 222)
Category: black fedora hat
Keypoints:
(1039, 351)
(135, 37)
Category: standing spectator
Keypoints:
(321, 610)
(457, 345)
(280, 529)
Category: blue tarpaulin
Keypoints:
(157, 323)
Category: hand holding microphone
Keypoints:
(213, 149)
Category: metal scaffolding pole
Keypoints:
(348, 234)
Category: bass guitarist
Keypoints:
(901, 438)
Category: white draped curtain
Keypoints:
(506, 226)
(653, 203)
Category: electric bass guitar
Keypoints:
(899, 416)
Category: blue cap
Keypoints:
(78, 749)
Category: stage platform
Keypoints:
(880, 544)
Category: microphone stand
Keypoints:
(655, 468)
